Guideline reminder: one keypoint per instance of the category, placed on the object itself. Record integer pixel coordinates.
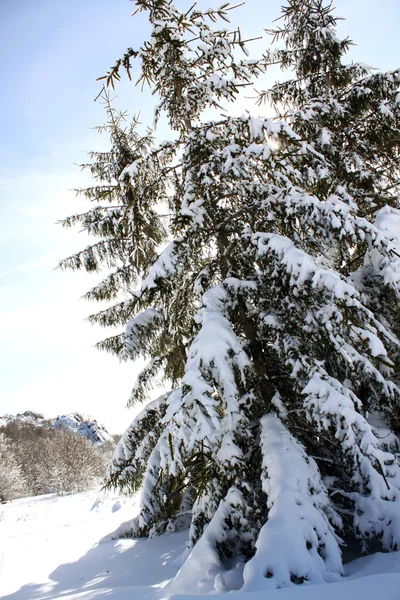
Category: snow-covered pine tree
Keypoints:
(272, 307)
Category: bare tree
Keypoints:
(12, 481)
(53, 460)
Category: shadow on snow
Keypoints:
(112, 564)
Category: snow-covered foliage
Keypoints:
(133, 450)
(268, 300)
(296, 501)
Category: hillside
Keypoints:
(49, 548)
(39, 456)
(84, 425)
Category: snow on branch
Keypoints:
(164, 267)
(214, 355)
(129, 461)
(376, 472)
(203, 563)
(140, 331)
(302, 268)
(297, 543)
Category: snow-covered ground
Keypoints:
(49, 549)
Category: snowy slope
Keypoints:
(49, 549)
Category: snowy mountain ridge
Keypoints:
(84, 425)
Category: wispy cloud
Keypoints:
(42, 262)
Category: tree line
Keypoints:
(36, 460)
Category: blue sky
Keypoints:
(51, 53)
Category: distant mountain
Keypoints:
(83, 425)
(28, 416)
